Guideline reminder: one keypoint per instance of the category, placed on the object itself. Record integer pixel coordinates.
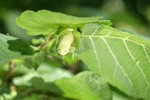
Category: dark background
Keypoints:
(130, 15)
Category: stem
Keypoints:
(47, 39)
(9, 72)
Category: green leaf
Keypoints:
(46, 71)
(121, 58)
(4, 90)
(120, 97)
(45, 22)
(39, 84)
(11, 48)
(34, 96)
(20, 46)
(85, 86)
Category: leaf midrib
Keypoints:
(116, 37)
(123, 39)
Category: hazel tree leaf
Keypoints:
(20, 46)
(45, 22)
(11, 47)
(121, 58)
(120, 97)
(85, 86)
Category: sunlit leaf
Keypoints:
(45, 22)
(123, 59)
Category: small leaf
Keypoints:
(45, 22)
(11, 48)
(121, 58)
(85, 86)
(20, 46)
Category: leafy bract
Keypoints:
(85, 86)
(45, 22)
(11, 48)
(121, 58)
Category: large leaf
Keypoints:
(44, 22)
(11, 48)
(121, 58)
(85, 86)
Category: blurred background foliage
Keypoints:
(127, 15)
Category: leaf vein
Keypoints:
(95, 52)
(96, 30)
(137, 63)
(125, 74)
(108, 36)
(146, 54)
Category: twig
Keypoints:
(8, 74)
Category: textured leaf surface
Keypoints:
(11, 48)
(85, 86)
(44, 22)
(123, 59)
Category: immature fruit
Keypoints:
(65, 43)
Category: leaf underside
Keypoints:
(121, 58)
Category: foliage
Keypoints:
(117, 61)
